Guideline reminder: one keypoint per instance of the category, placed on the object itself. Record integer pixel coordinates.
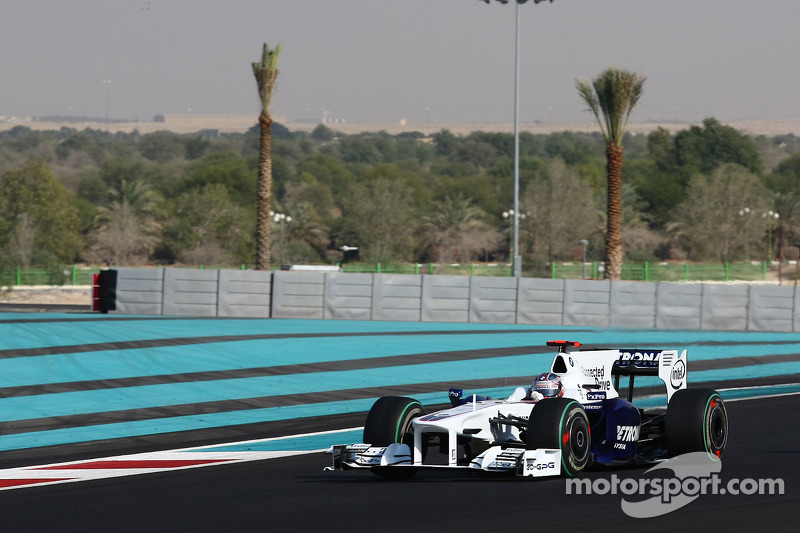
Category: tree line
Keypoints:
(704, 193)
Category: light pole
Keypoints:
(281, 221)
(584, 243)
(771, 217)
(515, 217)
(515, 246)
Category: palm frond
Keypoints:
(588, 97)
(266, 72)
(612, 96)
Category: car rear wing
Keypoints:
(667, 365)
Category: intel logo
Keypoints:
(677, 374)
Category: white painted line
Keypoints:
(762, 397)
(148, 463)
(755, 387)
(270, 439)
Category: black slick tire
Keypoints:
(389, 421)
(562, 424)
(696, 421)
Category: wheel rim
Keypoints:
(577, 437)
(717, 426)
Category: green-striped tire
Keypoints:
(697, 421)
(389, 421)
(561, 424)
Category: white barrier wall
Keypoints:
(493, 300)
(140, 291)
(725, 307)
(445, 298)
(348, 296)
(679, 305)
(244, 293)
(298, 294)
(428, 298)
(771, 308)
(190, 292)
(540, 301)
(587, 303)
(633, 305)
(397, 297)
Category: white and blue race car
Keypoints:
(589, 425)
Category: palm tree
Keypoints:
(128, 229)
(611, 96)
(456, 230)
(266, 73)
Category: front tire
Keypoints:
(561, 424)
(697, 421)
(389, 421)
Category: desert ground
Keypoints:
(41, 294)
(241, 123)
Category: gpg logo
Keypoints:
(541, 466)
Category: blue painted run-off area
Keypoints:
(25, 362)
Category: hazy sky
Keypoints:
(386, 60)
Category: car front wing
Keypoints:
(519, 461)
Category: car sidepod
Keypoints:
(615, 431)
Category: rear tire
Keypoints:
(562, 424)
(697, 421)
(389, 421)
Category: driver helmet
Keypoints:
(548, 385)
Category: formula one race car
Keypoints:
(560, 430)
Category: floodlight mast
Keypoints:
(517, 258)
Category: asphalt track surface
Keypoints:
(292, 493)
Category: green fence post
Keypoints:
(74, 274)
(430, 268)
(594, 269)
(244, 267)
(378, 268)
(552, 269)
(727, 271)
(763, 271)
(646, 271)
(472, 269)
(416, 268)
(19, 275)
